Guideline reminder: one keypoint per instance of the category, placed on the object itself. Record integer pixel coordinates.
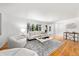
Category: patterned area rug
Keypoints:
(45, 48)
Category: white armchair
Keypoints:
(17, 41)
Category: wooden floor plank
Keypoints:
(69, 48)
(5, 46)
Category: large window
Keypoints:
(39, 27)
(33, 27)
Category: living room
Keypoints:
(39, 29)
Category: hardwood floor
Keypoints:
(5, 46)
(69, 48)
(57, 37)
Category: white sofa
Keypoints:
(18, 52)
(17, 41)
(36, 34)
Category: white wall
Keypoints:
(4, 25)
(60, 26)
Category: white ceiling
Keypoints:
(43, 12)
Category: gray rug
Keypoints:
(43, 49)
